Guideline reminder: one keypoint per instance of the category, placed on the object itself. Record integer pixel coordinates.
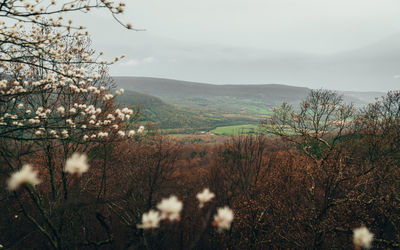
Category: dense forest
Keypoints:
(313, 176)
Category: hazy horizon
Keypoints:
(342, 45)
(239, 84)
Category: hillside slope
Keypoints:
(186, 107)
(175, 118)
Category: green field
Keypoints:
(230, 130)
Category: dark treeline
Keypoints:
(328, 169)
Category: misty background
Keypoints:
(349, 45)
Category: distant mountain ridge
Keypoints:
(203, 95)
(167, 87)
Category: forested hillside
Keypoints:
(189, 107)
(177, 119)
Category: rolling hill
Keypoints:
(176, 119)
(186, 107)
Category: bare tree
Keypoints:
(241, 162)
(320, 129)
(378, 128)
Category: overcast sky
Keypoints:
(336, 44)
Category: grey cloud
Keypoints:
(347, 45)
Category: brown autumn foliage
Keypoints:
(282, 196)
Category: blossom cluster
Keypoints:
(75, 165)
(52, 84)
(171, 207)
(70, 99)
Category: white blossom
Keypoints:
(141, 129)
(204, 197)
(108, 96)
(131, 133)
(150, 219)
(111, 116)
(223, 218)
(26, 175)
(77, 164)
(64, 133)
(362, 237)
(120, 114)
(103, 134)
(127, 111)
(170, 208)
(120, 91)
(61, 110)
